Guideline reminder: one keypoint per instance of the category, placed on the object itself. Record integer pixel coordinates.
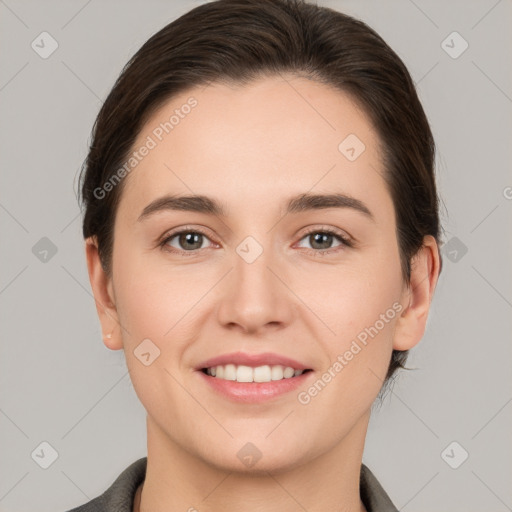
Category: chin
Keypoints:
(256, 457)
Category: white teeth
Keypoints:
(244, 373)
(288, 372)
(230, 372)
(262, 374)
(277, 372)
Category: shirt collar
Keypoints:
(120, 495)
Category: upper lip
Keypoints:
(242, 358)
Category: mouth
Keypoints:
(253, 378)
(257, 374)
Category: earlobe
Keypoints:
(110, 341)
(425, 268)
(103, 292)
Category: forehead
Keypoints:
(283, 133)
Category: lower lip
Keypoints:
(254, 392)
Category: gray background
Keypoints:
(58, 382)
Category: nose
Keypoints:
(254, 297)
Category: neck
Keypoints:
(178, 480)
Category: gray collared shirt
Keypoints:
(120, 495)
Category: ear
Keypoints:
(425, 268)
(104, 297)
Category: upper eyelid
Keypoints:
(345, 239)
(308, 230)
(171, 234)
(186, 229)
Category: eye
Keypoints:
(192, 240)
(321, 240)
(186, 240)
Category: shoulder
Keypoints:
(373, 496)
(120, 495)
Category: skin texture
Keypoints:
(253, 147)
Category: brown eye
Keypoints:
(190, 241)
(322, 240)
(185, 241)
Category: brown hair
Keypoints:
(240, 40)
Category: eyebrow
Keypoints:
(297, 204)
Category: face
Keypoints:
(266, 282)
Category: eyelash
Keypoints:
(345, 241)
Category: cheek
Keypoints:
(356, 366)
(155, 310)
(361, 307)
(366, 313)
(155, 301)
(350, 299)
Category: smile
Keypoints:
(242, 373)
(253, 378)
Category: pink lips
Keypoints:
(253, 392)
(241, 358)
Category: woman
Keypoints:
(262, 231)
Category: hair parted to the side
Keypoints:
(240, 40)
